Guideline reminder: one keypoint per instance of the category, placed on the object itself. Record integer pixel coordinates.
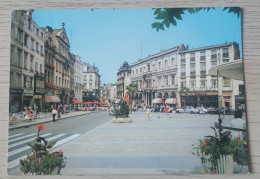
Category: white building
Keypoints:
(156, 76)
(78, 77)
(91, 83)
(193, 73)
(113, 93)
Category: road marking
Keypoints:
(28, 147)
(16, 162)
(18, 138)
(15, 135)
(24, 141)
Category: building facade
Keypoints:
(123, 79)
(113, 93)
(91, 83)
(16, 59)
(78, 77)
(194, 65)
(156, 76)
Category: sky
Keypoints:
(108, 37)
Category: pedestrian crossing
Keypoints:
(18, 148)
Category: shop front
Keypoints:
(15, 100)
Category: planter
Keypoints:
(122, 120)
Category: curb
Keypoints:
(49, 120)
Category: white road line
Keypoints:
(15, 135)
(15, 162)
(18, 138)
(65, 140)
(28, 147)
(25, 141)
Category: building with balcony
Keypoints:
(16, 61)
(156, 76)
(91, 83)
(194, 65)
(123, 79)
(78, 77)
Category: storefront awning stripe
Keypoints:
(52, 99)
(171, 101)
(157, 100)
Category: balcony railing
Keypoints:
(192, 73)
(213, 56)
(225, 55)
(192, 59)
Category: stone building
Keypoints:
(16, 61)
(78, 77)
(91, 83)
(123, 79)
(63, 65)
(156, 76)
(113, 93)
(193, 73)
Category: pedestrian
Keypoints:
(148, 113)
(238, 123)
(202, 109)
(59, 110)
(54, 113)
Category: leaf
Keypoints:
(166, 22)
(156, 24)
(157, 11)
(50, 145)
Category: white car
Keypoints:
(189, 109)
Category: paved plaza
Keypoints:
(161, 145)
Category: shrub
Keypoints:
(121, 111)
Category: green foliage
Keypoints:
(168, 16)
(121, 111)
(184, 91)
(222, 144)
(41, 161)
(132, 89)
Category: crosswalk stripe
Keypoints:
(28, 147)
(18, 138)
(15, 135)
(15, 162)
(25, 141)
(65, 140)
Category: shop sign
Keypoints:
(39, 90)
(16, 90)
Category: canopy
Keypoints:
(52, 99)
(87, 103)
(76, 102)
(232, 70)
(171, 101)
(104, 103)
(157, 100)
(95, 102)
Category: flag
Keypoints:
(143, 81)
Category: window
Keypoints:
(166, 64)
(193, 84)
(166, 81)
(140, 70)
(24, 81)
(40, 68)
(32, 44)
(225, 52)
(182, 58)
(172, 62)
(29, 24)
(202, 55)
(90, 77)
(31, 83)
(90, 85)
(11, 54)
(19, 36)
(183, 68)
(136, 71)
(36, 66)
(31, 63)
(148, 66)
(173, 79)
(37, 31)
(133, 72)
(19, 57)
(192, 57)
(225, 60)
(37, 47)
(213, 54)
(202, 66)
(41, 35)
(11, 77)
(26, 40)
(183, 84)
(159, 81)
(159, 65)
(25, 60)
(202, 83)
(192, 67)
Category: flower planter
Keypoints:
(122, 120)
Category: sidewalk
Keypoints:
(47, 118)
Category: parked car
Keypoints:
(189, 109)
(228, 111)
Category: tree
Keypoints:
(184, 91)
(132, 89)
(168, 16)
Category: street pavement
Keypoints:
(161, 145)
(93, 144)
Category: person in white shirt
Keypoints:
(54, 113)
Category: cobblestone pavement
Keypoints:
(161, 145)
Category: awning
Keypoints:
(76, 102)
(52, 99)
(171, 101)
(157, 100)
(87, 103)
(226, 100)
(232, 70)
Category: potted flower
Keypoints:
(41, 161)
(121, 113)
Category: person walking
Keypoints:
(59, 111)
(148, 112)
(54, 113)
